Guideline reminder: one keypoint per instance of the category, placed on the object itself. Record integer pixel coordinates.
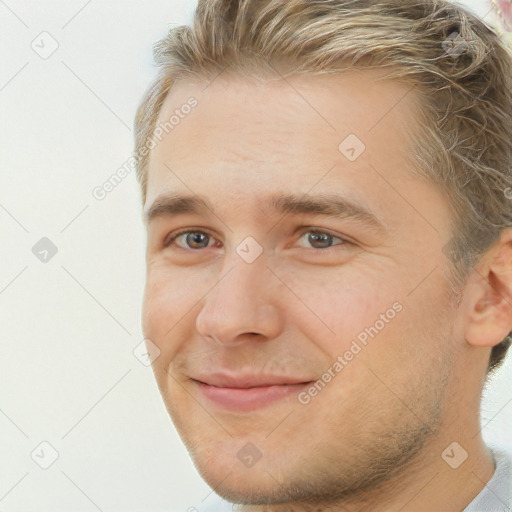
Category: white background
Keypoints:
(69, 326)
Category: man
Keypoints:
(327, 192)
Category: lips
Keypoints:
(247, 381)
(248, 392)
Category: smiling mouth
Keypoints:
(248, 397)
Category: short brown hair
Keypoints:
(459, 66)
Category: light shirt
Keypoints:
(496, 496)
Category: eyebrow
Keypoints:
(329, 205)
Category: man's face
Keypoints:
(253, 306)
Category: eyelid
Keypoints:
(322, 231)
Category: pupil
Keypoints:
(195, 238)
(319, 236)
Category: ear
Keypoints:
(488, 295)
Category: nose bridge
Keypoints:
(241, 302)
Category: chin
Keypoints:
(224, 472)
(240, 487)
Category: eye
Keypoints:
(194, 239)
(201, 240)
(321, 239)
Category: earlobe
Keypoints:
(488, 300)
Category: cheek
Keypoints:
(341, 306)
(165, 305)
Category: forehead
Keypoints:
(282, 121)
(243, 138)
(312, 108)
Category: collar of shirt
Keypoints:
(496, 496)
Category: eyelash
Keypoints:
(173, 236)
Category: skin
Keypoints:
(373, 438)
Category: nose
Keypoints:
(242, 304)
